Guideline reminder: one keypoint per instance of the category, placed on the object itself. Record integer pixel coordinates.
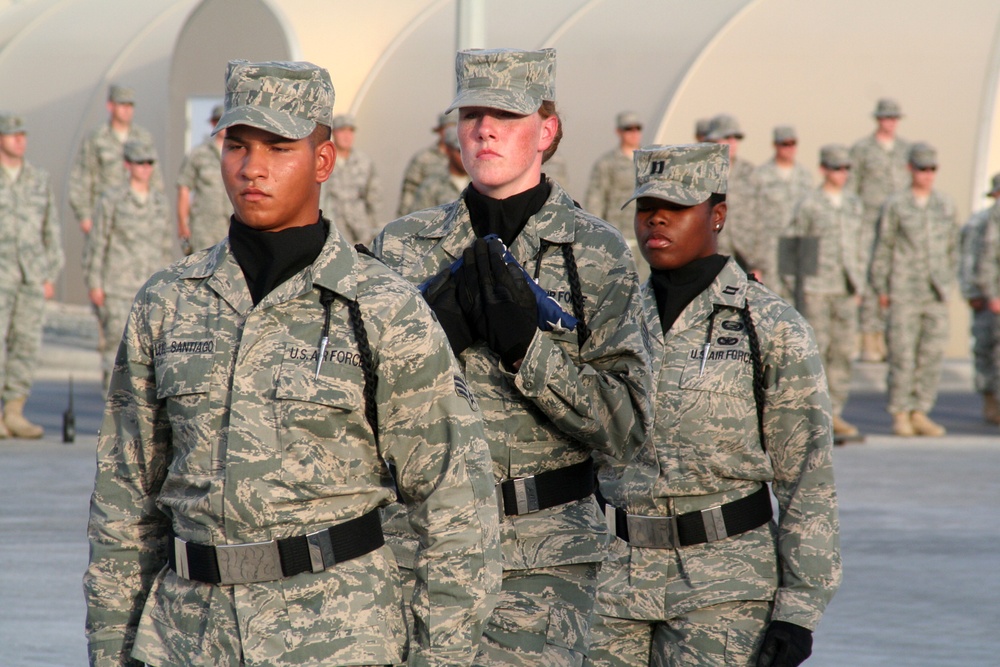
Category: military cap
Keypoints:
(217, 111)
(444, 120)
(505, 79)
(451, 137)
(686, 174)
(11, 124)
(783, 133)
(343, 120)
(628, 119)
(285, 98)
(723, 126)
(922, 155)
(994, 186)
(701, 127)
(834, 156)
(137, 150)
(121, 94)
(887, 108)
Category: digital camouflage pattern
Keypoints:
(972, 240)
(914, 263)
(505, 79)
(986, 280)
(706, 450)
(201, 173)
(739, 237)
(438, 189)
(686, 174)
(351, 197)
(566, 401)
(831, 294)
(100, 166)
(218, 430)
(776, 194)
(612, 179)
(427, 162)
(31, 254)
(285, 98)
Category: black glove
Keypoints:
(785, 645)
(441, 295)
(502, 311)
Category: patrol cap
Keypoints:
(887, 108)
(217, 112)
(723, 126)
(701, 127)
(121, 94)
(343, 120)
(834, 156)
(11, 123)
(444, 120)
(783, 133)
(286, 98)
(922, 155)
(994, 186)
(686, 174)
(627, 119)
(505, 79)
(451, 137)
(137, 150)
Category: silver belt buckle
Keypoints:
(498, 490)
(715, 523)
(249, 563)
(320, 550)
(526, 494)
(653, 532)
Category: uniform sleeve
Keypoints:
(373, 198)
(798, 439)
(97, 245)
(411, 181)
(602, 395)
(52, 238)
(81, 181)
(885, 240)
(187, 176)
(430, 429)
(597, 188)
(128, 534)
(987, 266)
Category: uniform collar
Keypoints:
(728, 290)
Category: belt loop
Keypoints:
(181, 559)
(320, 550)
(526, 493)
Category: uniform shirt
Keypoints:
(210, 206)
(130, 241)
(705, 449)
(877, 172)
(739, 236)
(425, 163)
(840, 269)
(100, 165)
(916, 248)
(612, 180)
(351, 197)
(972, 239)
(986, 278)
(30, 235)
(565, 401)
(217, 430)
(438, 189)
(775, 195)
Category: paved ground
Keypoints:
(921, 530)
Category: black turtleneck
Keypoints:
(270, 258)
(504, 217)
(676, 288)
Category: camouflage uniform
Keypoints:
(914, 262)
(210, 206)
(986, 282)
(611, 180)
(830, 294)
(564, 402)
(130, 241)
(232, 423)
(428, 162)
(438, 189)
(776, 192)
(738, 238)
(972, 240)
(30, 255)
(351, 197)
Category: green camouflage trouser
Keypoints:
(21, 308)
(729, 633)
(833, 318)
(112, 316)
(984, 325)
(871, 316)
(918, 331)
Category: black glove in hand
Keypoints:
(442, 296)
(503, 312)
(785, 645)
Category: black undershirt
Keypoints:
(270, 258)
(505, 217)
(676, 288)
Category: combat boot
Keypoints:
(843, 428)
(872, 347)
(16, 423)
(901, 424)
(924, 425)
(991, 408)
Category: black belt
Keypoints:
(525, 495)
(266, 561)
(682, 530)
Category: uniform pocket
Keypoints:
(183, 383)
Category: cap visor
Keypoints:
(670, 192)
(275, 122)
(495, 99)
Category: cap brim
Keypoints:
(503, 100)
(275, 122)
(671, 192)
